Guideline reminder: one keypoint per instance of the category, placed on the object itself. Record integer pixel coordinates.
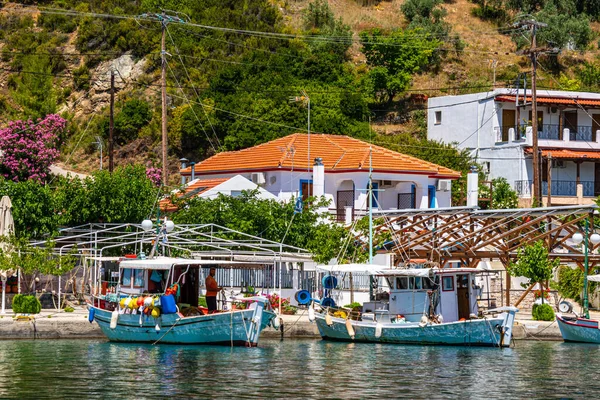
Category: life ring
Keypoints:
(327, 302)
(329, 282)
(303, 297)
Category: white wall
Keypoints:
(286, 184)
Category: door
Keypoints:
(596, 179)
(508, 121)
(462, 293)
(540, 122)
(571, 123)
(345, 198)
(306, 189)
(431, 193)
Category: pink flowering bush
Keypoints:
(155, 175)
(28, 148)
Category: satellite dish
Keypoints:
(565, 307)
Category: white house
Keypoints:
(337, 167)
(496, 126)
(211, 188)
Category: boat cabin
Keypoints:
(449, 292)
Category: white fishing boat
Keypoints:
(141, 310)
(425, 306)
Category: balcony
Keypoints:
(559, 188)
(516, 133)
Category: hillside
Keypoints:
(231, 88)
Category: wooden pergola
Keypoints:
(471, 235)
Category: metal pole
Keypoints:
(534, 122)
(370, 202)
(3, 295)
(586, 311)
(164, 99)
(308, 164)
(111, 125)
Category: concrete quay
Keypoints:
(52, 324)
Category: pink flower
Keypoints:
(28, 149)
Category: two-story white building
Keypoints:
(337, 167)
(496, 126)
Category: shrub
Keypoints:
(542, 312)
(26, 304)
(30, 148)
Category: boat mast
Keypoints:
(370, 202)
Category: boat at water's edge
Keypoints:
(493, 331)
(237, 328)
(575, 329)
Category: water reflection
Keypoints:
(294, 368)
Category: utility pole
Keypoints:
(164, 19)
(163, 84)
(111, 128)
(533, 53)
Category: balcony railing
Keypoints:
(546, 132)
(559, 188)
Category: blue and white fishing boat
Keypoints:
(426, 306)
(140, 310)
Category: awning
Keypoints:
(553, 101)
(594, 278)
(569, 154)
(164, 263)
(354, 268)
(426, 272)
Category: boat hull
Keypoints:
(238, 328)
(578, 329)
(495, 331)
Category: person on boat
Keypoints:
(212, 289)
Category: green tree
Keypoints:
(33, 90)
(126, 195)
(134, 115)
(533, 263)
(395, 58)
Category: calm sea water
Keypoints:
(295, 369)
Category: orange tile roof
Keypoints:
(339, 153)
(560, 101)
(195, 188)
(569, 154)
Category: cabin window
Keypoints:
(427, 283)
(418, 283)
(411, 283)
(126, 277)
(401, 283)
(138, 278)
(438, 117)
(462, 281)
(448, 283)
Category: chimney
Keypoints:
(183, 162)
(318, 178)
(193, 166)
(472, 187)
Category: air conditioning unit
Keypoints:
(444, 185)
(385, 184)
(258, 178)
(558, 163)
(553, 110)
